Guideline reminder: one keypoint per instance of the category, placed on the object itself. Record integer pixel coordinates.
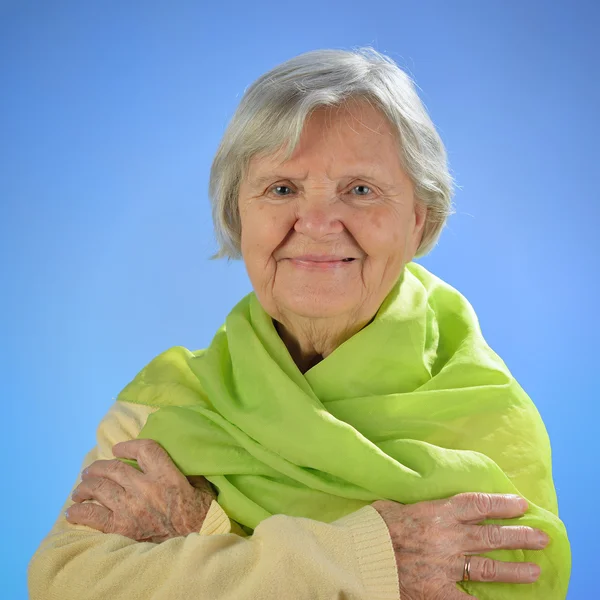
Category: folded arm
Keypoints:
(289, 557)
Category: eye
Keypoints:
(285, 190)
(277, 188)
(362, 188)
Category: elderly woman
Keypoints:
(348, 433)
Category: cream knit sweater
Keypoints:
(289, 558)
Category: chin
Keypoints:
(319, 307)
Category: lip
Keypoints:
(319, 258)
(321, 263)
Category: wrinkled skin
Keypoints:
(155, 505)
(431, 540)
(344, 193)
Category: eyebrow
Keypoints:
(259, 182)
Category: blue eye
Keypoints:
(366, 190)
(366, 187)
(279, 187)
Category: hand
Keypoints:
(155, 505)
(431, 539)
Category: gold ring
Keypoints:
(467, 569)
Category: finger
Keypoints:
(150, 455)
(201, 483)
(93, 515)
(486, 569)
(482, 538)
(473, 507)
(119, 472)
(105, 491)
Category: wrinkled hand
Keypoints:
(431, 540)
(154, 505)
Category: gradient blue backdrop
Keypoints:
(110, 113)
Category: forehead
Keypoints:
(356, 138)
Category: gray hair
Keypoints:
(274, 108)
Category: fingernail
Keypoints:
(85, 471)
(66, 513)
(523, 504)
(534, 572)
(543, 540)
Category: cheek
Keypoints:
(375, 219)
(263, 230)
(380, 233)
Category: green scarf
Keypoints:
(414, 407)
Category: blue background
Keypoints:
(110, 113)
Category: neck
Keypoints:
(310, 340)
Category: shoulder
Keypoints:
(122, 422)
(173, 373)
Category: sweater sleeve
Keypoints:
(286, 557)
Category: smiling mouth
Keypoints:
(320, 264)
(313, 258)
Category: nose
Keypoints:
(319, 217)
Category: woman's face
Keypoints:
(342, 195)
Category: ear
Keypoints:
(420, 218)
